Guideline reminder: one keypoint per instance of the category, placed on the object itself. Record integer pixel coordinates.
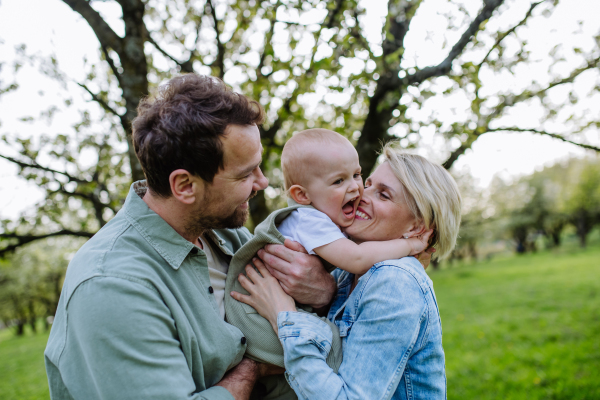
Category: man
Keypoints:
(141, 312)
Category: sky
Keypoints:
(47, 26)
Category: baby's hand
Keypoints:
(419, 243)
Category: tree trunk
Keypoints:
(20, 328)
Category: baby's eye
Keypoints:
(338, 181)
(356, 176)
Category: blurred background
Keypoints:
(504, 94)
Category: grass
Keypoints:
(518, 327)
(22, 373)
(525, 327)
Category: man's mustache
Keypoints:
(254, 193)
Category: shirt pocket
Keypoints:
(248, 309)
(344, 323)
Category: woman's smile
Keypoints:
(361, 214)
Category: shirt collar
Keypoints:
(161, 236)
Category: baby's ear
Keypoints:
(299, 195)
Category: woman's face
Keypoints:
(382, 213)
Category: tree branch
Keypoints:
(220, 59)
(111, 63)
(100, 101)
(24, 239)
(445, 66)
(42, 168)
(103, 31)
(511, 30)
(186, 66)
(540, 132)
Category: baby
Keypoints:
(321, 169)
(324, 186)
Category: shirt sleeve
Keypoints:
(316, 229)
(375, 351)
(122, 343)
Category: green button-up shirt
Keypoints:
(136, 319)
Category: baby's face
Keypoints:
(336, 185)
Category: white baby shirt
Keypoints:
(311, 228)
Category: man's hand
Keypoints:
(240, 380)
(425, 257)
(301, 275)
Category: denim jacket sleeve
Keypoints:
(390, 314)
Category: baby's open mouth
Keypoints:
(348, 208)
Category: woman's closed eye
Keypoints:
(383, 195)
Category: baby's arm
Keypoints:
(358, 258)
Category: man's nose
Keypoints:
(261, 182)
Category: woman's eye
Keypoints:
(383, 196)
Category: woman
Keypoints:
(388, 317)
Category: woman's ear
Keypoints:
(418, 228)
(299, 195)
(184, 186)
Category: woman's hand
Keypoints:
(266, 295)
(419, 243)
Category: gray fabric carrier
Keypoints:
(262, 343)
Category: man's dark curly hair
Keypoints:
(182, 125)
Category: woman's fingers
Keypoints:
(246, 283)
(243, 298)
(261, 267)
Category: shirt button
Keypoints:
(195, 250)
(243, 340)
(210, 289)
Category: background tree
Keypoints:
(31, 280)
(310, 63)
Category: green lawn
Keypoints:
(523, 327)
(22, 373)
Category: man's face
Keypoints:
(224, 203)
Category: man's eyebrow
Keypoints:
(250, 169)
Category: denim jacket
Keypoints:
(391, 333)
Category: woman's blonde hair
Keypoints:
(431, 194)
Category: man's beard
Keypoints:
(197, 226)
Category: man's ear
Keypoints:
(299, 195)
(184, 186)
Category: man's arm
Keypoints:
(301, 275)
(122, 343)
(240, 380)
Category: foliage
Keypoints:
(539, 205)
(31, 281)
(310, 63)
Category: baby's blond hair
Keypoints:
(431, 194)
(298, 161)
